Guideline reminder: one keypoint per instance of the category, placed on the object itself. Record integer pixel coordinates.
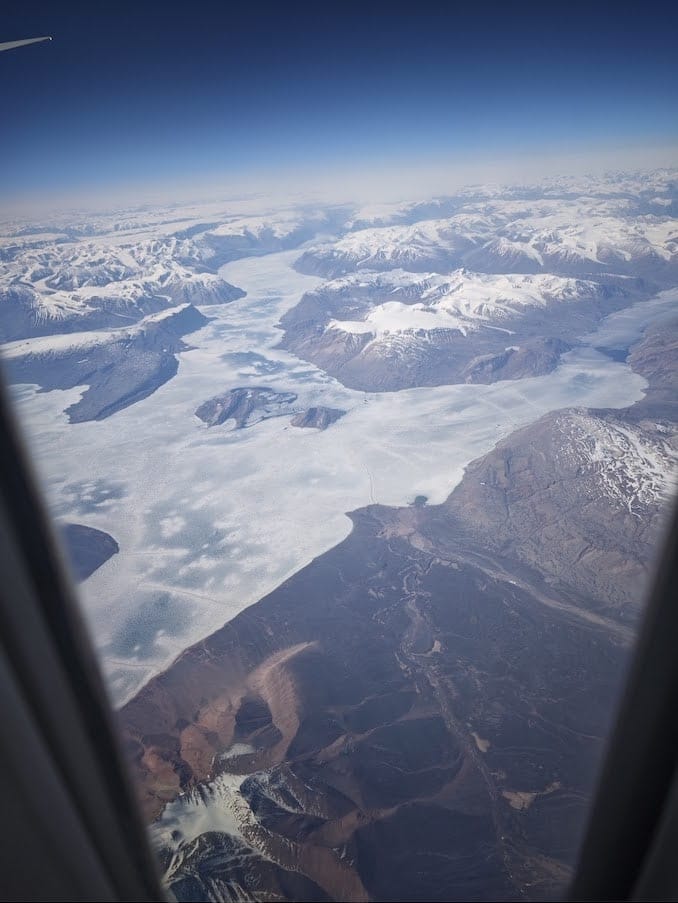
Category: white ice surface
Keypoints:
(211, 519)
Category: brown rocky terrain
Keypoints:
(420, 712)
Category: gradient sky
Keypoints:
(134, 92)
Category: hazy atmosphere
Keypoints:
(277, 96)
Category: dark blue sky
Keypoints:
(146, 91)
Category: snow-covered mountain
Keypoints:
(67, 275)
(462, 301)
(85, 286)
(633, 467)
(116, 367)
(484, 285)
(102, 300)
(646, 193)
(492, 283)
(398, 329)
(254, 235)
(618, 224)
(567, 236)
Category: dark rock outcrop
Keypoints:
(86, 548)
(246, 406)
(318, 418)
(536, 357)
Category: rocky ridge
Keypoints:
(118, 367)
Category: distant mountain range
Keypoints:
(518, 270)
